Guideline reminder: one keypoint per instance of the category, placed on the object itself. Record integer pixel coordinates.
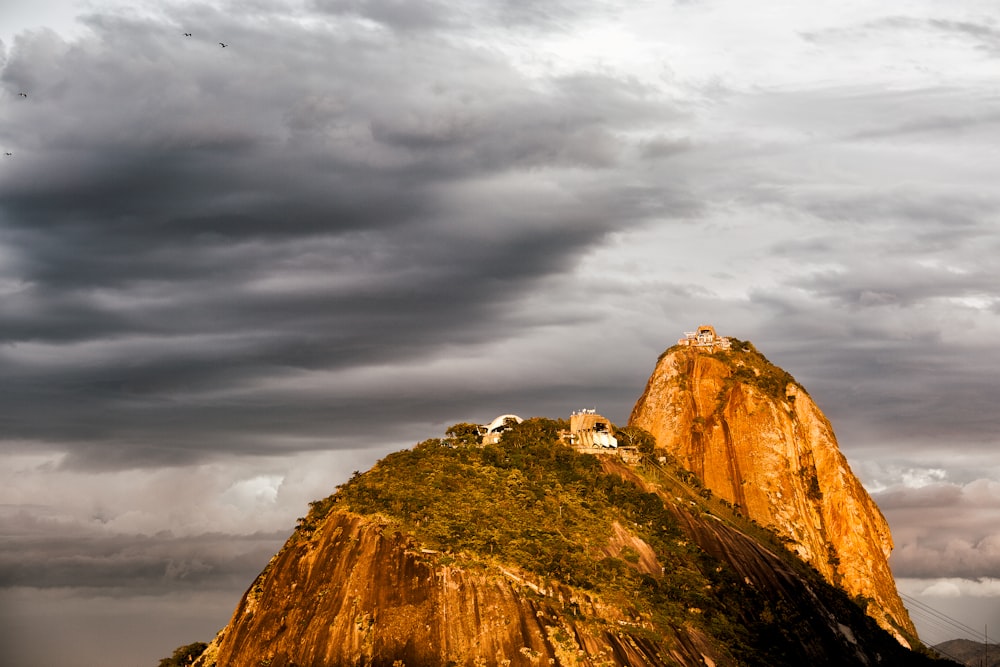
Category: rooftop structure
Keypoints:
(589, 429)
(491, 432)
(705, 338)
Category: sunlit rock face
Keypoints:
(359, 594)
(756, 439)
(644, 567)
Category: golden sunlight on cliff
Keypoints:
(756, 439)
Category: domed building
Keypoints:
(491, 432)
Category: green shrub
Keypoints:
(184, 655)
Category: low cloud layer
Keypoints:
(945, 530)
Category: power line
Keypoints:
(939, 622)
(939, 618)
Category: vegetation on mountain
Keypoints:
(534, 503)
(184, 656)
(640, 438)
(751, 367)
(528, 500)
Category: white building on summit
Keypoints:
(705, 338)
(491, 432)
(587, 430)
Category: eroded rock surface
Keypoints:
(357, 594)
(763, 445)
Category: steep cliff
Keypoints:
(754, 437)
(364, 595)
(530, 553)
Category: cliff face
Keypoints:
(756, 439)
(361, 595)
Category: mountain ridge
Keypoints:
(523, 550)
(970, 653)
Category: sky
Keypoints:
(231, 276)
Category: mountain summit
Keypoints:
(754, 437)
(525, 543)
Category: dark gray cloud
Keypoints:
(184, 219)
(889, 383)
(130, 564)
(97, 628)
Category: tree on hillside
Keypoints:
(184, 655)
(530, 432)
(640, 438)
(464, 433)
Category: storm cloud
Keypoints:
(229, 276)
(184, 221)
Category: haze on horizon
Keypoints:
(231, 276)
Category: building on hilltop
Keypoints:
(589, 430)
(491, 432)
(705, 338)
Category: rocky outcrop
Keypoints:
(755, 438)
(357, 594)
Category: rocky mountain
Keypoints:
(529, 552)
(753, 436)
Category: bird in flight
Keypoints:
(187, 34)
(23, 94)
(8, 154)
(223, 45)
